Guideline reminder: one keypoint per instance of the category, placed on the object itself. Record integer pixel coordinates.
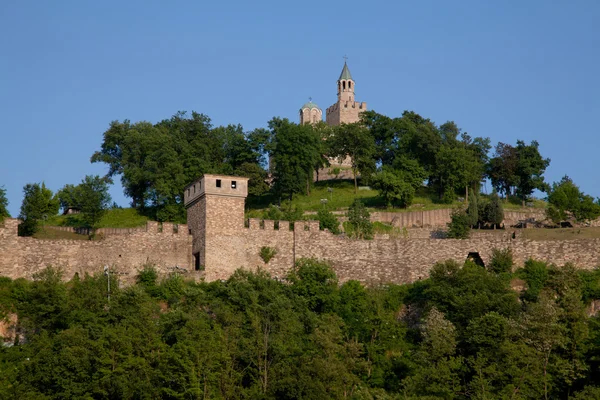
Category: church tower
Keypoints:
(347, 110)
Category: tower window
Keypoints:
(349, 85)
(344, 85)
(218, 183)
(233, 184)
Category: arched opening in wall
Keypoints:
(344, 85)
(349, 85)
(475, 258)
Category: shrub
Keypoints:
(502, 260)
(267, 253)
(359, 219)
(328, 221)
(458, 227)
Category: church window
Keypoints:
(349, 85)
(344, 85)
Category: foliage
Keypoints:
(473, 209)
(294, 151)
(493, 211)
(460, 331)
(156, 161)
(393, 188)
(354, 141)
(459, 225)
(566, 199)
(327, 220)
(38, 204)
(90, 197)
(267, 253)
(359, 219)
(530, 169)
(502, 260)
(3, 205)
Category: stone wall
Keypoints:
(439, 218)
(384, 260)
(24, 256)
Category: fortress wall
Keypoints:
(440, 217)
(228, 252)
(24, 256)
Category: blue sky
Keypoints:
(507, 70)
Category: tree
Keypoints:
(93, 200)
(3, 205)
(566, 199)
(393, 188)
(294, 151)
(38, 204)
(456, 169)
(458, 227)
(472, 209)
(494, 211)
(328, 221)
(530, 169)
(354, 141)
(359, 219)
(502, 168)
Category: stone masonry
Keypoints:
(220, 243)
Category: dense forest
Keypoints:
(466, 332)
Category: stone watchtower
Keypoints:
(346, 110)
(215, 212)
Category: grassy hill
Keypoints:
(339, 194)
(114, 218)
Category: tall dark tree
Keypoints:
(530, 169)
(294, 150)
(38, 204)
(502, 168)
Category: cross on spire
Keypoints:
(345, 58)
(310, 99)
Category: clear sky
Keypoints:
(504, 69)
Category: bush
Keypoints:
(328, 221)
(458, 227)
(502, 261)
(359, 219)
(267, 253)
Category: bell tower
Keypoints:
(347, 110)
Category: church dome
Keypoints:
(310, 105)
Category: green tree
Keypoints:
(493, 211)
(530, 170)
(458, 227)
(294, 151)
(91, 197)
(393, 188)
(38, 204)
(327, 220)
(3, 205)
(566, 199)
(502, 261)
(502, 168)
(359, 219)
(473, 209)
(354, 141)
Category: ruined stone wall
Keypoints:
(24, 256)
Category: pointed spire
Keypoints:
(345, 73)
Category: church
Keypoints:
(345, 111)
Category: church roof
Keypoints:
(345, 73)
(310, 105)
